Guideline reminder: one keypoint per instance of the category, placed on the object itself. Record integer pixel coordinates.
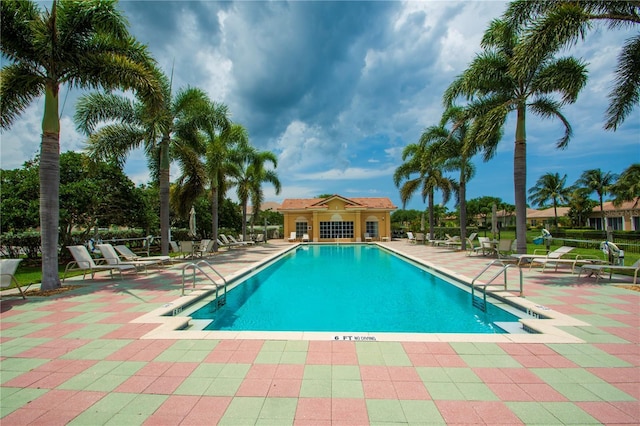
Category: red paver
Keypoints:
(379, 389)
(349, 411)
(607, 413)
(313, 409)
(254, 387)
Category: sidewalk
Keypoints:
(78, 358)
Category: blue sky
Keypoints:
(338, 89)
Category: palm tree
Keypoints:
(220, 140)
(600, 183)
(627, 188)
(418, 160)
(494, 91)
(457, 148)
(553, 24)
(551, 187)
(82, 44)
(249, 177)
(127, 125)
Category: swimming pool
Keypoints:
(350, 288)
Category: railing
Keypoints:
(502, 271)
(221, 300)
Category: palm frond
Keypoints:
(18, 88)
(548, 108)
(95, 108)
(625, 95)
(566, 76)
(114, 141)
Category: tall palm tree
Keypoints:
(249, 177)
(627, 188)
(457, 149)
(81, 44)
(422, 171)
(553, 24)
(116, 125)
(494, 91)
(600, 183)
(209, 172)
(551, 187)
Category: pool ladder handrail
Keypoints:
(502, 271)
(196, 267)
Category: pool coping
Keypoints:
(541, 319)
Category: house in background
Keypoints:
(337, 218)
(546, 217)
(626, 217)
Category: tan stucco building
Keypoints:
(337, 218)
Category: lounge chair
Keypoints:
(411, 238)
(292, 237)
(84, 262)
(537, 253)
(448, 239)
(127, 254)
(230, 243)
(305, 238)
(597, 270)
(111, 257)
(240, 241)
(557, 260)
(8, 268)
(481, 247)
(259, 238)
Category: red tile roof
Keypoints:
(310, 203)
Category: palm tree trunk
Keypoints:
(244, 220)
(432, 217)
(214, 216)
(462, 193)
(164, 195)
(50, 189)
(520, 180)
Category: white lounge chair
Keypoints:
(84, 262)
(599, 269)
(129, 255)
(537, 254)
(240, 242)
(111, 257)
(8, 268)
(229, 243)
(411, 238)
(367, 237)
(305, 238)
(292, 237)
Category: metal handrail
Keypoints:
(502, 271)
(196, 266)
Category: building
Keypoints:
(337, 218)
(626, 217)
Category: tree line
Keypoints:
(87, 45)
(518, 72)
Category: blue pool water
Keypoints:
(356, 288)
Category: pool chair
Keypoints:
(8, 268)
(129, 255)
(230, 243)
(503, 249)
(305, 238)
(201, 248)
(82, 261)
(538, 253)
(292, 237)
(598, 270)
(240, 241)
(411, 238)
(111, 257)
(472, 248)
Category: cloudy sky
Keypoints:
(338, 89)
